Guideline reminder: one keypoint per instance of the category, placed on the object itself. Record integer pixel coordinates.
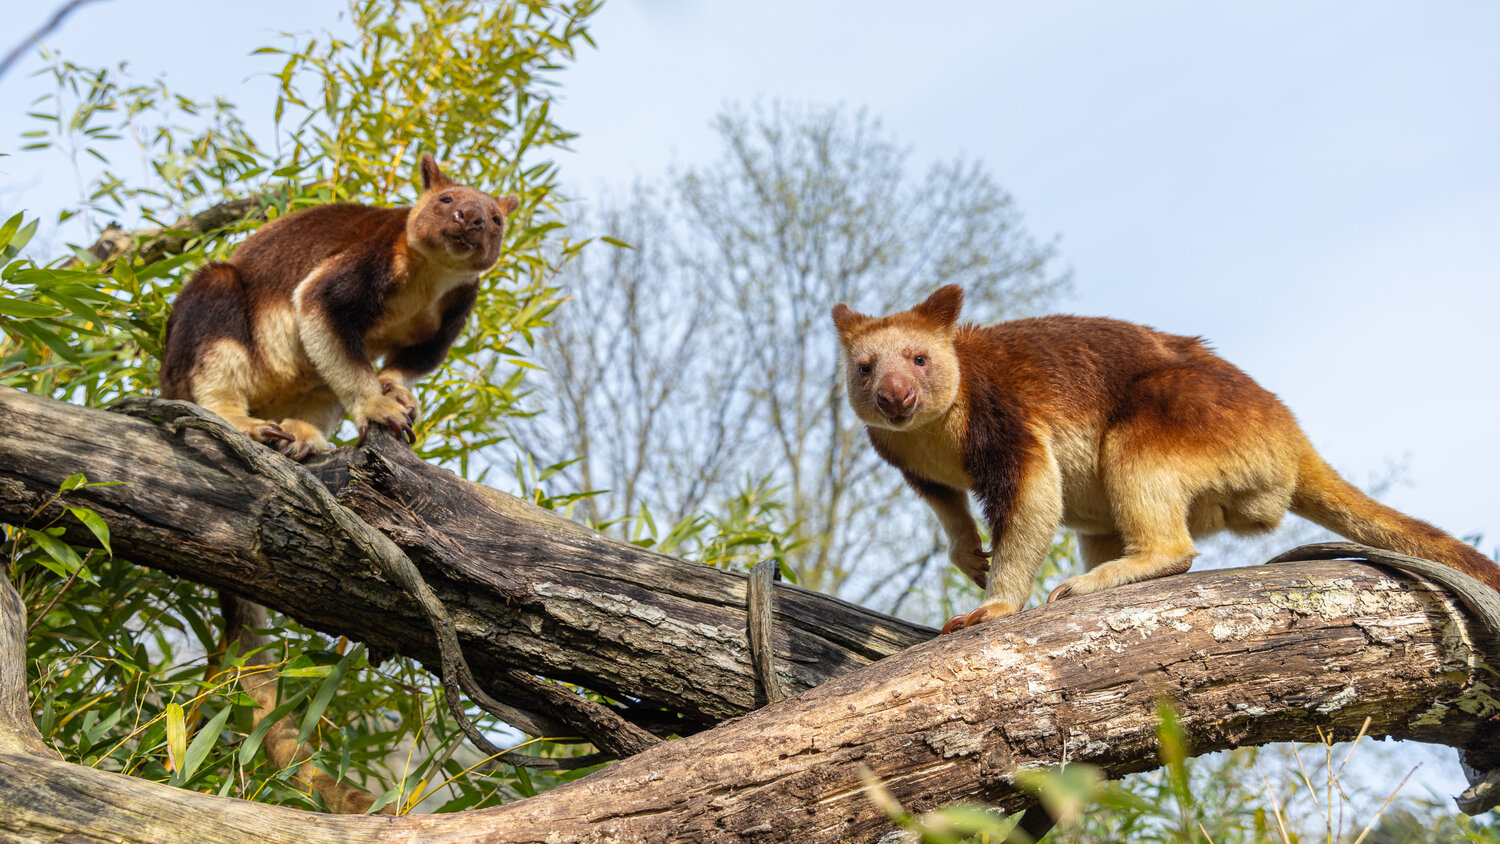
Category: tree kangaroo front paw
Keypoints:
(398, 391)
(974, 562)
(388, 411)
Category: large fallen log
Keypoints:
(530, 591)
(1246, 656)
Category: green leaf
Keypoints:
(326, 690)
(8, 229)
(65, 560)
(95, 525)
(390, 794)
(25, 309)
(22, 237)
(344, 755)
(207, 737)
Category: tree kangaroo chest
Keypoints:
(413, 314)
(934, 456)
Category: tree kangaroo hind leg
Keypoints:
(1096, 549)
(309, 419)
(209, 357)
(1150, 505)
(221, 383)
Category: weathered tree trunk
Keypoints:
(1246, 656)
(528, 589)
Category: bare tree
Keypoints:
(634, 383)
(704, 355)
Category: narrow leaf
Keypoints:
(95, 525)
(207, 737)
(176, 739)
(325, 693)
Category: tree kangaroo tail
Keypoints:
(242, 621)
(1338, 505)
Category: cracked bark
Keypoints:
(530, 592)
(1247, 656)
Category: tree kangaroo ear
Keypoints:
(943, 306)
(432, 175)
(508, 204)
(846, 320)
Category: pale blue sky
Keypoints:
(1315, 187)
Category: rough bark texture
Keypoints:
(529, 590)
(1247, 656)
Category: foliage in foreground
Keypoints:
(117, 651)
(1290, 795)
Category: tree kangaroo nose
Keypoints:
(469, 216)
(896, 395)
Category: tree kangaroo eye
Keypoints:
(920, 360)
(497, 221)
(446, 200)
(864, 369)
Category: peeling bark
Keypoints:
(1246, 656)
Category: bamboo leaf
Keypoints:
(176, 739)
(326, 690)
(95, 524)
(207, 737)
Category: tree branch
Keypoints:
(1246, 656)
(529, 591)
(156, 243)
(35, 38)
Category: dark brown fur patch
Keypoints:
(212, 306)
(426, 356)
(996, 443)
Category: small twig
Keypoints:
(41, 614)
(1276, 810)
(46, 29)
(1388, 799)
(1354, 744)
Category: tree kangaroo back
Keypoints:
(1136, 439)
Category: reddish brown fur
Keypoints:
(289, 328)
(1137, 439)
